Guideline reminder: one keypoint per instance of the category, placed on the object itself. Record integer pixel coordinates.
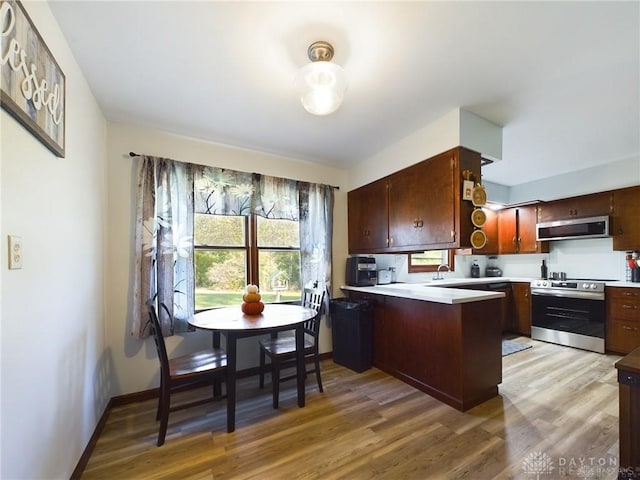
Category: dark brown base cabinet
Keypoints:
(521, 308)
(623, 319)
(451, 352)
(629, 391)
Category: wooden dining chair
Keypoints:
(281, 350)
(184, 372)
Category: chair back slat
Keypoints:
(313, 298)
(158, 337)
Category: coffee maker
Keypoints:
(361, 271)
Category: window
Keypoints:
(429, 260)
(231, 251)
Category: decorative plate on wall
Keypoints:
(479, 196)
(478, 217)
(478, 239)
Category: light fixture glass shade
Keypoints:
(321, 86)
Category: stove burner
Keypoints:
(590, 280)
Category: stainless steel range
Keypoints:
(569, 312)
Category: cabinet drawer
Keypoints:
(624, 310)
(617, 293)
(622, 336)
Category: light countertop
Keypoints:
(623, 284)
(428, 293)
(433, 291)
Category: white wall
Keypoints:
(455, 128)
(617, 174)
(55, 370)
(437, 137)
(135, 364)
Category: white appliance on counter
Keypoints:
(384, 277)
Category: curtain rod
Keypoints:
(134, 154)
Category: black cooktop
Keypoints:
(589, 280)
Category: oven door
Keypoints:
(576, 321)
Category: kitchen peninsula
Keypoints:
(443, 341)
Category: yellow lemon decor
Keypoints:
(252, 304)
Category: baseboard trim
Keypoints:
(139, 397)
(86, 454)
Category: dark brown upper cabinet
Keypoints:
(626, 219)
(592, 205)
(516, 231)
(367, 211)
(417, 208)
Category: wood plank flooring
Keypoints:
(557, 402)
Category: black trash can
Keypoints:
(352, 331)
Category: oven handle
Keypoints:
(551, 292)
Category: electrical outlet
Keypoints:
(15, 252)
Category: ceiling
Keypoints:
(562, 78)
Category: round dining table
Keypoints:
(233, 324)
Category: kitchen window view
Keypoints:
(429, 260)
(232, 251)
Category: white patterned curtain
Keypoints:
(218, 191)
(277, 198)
(316, 234)
(164, 244)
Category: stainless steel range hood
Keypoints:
(590, 227)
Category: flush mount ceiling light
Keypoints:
(321, 84)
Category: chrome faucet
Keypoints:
(438, 276)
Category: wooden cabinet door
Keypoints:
(527, 219)
(507, 231)
(422, 204)
(626, 219)
(592, 205)
(407, 202)
(442, 199)
(404, 337)
(367, 217)
(521, 308)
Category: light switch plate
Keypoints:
(15, 252)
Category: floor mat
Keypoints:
(510, 346)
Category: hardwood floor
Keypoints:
(557, 402)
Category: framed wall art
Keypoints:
(32, 86)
